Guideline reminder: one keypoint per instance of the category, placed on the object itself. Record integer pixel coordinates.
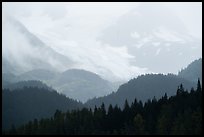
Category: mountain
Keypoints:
(81, 84)
(8, 78)
(21, 105)
(26, 51)
(38, 74)
(23, 84)
(193, 71)
(30, 78)
(153, 35)
(143, 87)
(74, 83)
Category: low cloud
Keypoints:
(72, 29)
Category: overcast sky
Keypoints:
(72, 29)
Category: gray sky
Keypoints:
(76, 30)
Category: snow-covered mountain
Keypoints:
(156, 37)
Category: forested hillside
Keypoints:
(143, 87)
(180, 114)
(28, 83)
(24, 104)
(81, 84)
(193, 71)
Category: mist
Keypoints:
(102, 68)
(118, 41)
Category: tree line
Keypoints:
(180, 114)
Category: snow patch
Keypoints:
(168, 35)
